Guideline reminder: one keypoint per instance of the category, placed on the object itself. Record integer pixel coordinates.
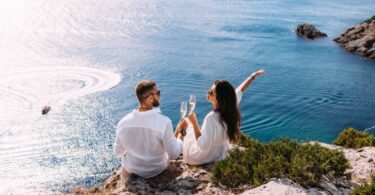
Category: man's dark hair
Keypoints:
(143, 88)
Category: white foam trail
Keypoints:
(54, 86)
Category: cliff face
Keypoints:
(181, 178)
(360, 39)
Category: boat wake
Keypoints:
(48, 88)
(368, 129)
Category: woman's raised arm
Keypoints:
(249, 80)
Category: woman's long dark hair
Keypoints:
(228, 109)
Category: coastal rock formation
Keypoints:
(362, 162)
(281, 186)
(360, 39)
(180, 178)
(284, 186)
(309, 31)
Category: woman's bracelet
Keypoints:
(252, 77)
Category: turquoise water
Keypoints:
(311, 90)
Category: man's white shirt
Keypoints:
(145, 141)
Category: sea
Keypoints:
(83, 58)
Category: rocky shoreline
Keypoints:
(360, 39)
(180, 178)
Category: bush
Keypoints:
(234, 171)
(245, 141)
(311, 161)
(351, 138)
(285, 158)
(366, 189)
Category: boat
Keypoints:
(46, 109)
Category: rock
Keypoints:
(178, 178)
(187, 184)
(316, 191)
(360, 39)
(335, 185)
(328, 185)
(277, 186)
(309, 31)
(360, 161)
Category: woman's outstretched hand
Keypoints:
(258, 73)
(182, 125)
(250, 79)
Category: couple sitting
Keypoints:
(145, 140)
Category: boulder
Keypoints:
(277, 186)
(361, 162)
(309, 31)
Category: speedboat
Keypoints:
(46, 109)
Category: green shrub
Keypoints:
(351, 138)
(245, 141)
(311, 161)
(275, 159)
(285, 158)
(234, 171)
(366, 189)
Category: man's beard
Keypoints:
(155, 103)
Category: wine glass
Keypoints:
(183, 109)
(192, 103)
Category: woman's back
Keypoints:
(212, 145)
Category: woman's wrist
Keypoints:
(252, 76)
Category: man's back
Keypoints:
(145, 141)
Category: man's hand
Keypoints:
(182, 126)
(180, 136)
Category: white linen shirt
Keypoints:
(212, 145)
(145, 141)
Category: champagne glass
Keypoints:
(183, 109)
(192, 103)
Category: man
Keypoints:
(144, 137)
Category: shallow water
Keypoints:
(73, 54)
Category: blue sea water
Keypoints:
(312, 90)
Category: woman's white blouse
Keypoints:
(212, 145)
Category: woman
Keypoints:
(220, 126)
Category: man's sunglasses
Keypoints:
(158, 93)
